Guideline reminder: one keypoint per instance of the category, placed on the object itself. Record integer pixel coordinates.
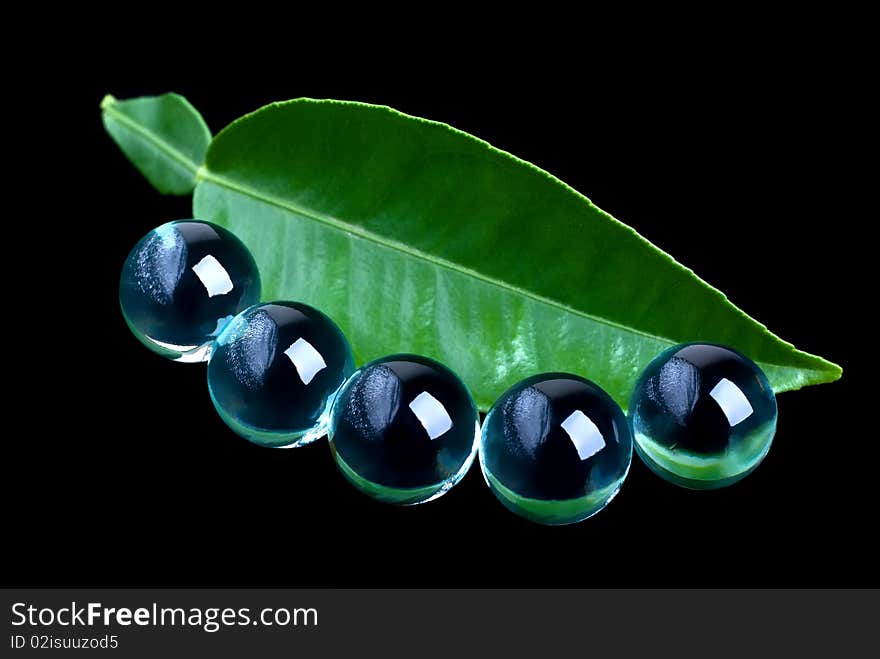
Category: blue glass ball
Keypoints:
(404, 429)
(703, 416)
(182, 283)
(274, 371)
(555, 448)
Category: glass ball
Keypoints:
(404, 429)
(555, 448)
(703, 416)
(274, 371)
(182, 283)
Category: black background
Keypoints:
(736, 160)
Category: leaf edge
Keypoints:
(826, 370)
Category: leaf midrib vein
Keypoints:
(205, 174)
(154, 139)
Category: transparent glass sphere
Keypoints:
(555, 448)
(274, 371)
(182, 283)
(703, 415)
(404, 429)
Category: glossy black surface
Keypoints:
(526, 446)
(673, 403)
(375, 430)
(703, 415)
(275, 367)
(164, 299)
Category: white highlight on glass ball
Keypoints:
(431, 414)
(213, 276)
(732, 401)
(585, 436)
(307, 361)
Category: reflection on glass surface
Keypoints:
(402, 429)
(526, 448)
(431, 414)
(181, 283)
(584, 434)
(724, 430)
(173, 347)
(251, 379)
(732, 401)
(221, 324)
(306, 359)
(213, 276)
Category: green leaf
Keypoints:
(163, 136)
(416, 237)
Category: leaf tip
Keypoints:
(107, 101)
(828, 370)
(835, 371)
